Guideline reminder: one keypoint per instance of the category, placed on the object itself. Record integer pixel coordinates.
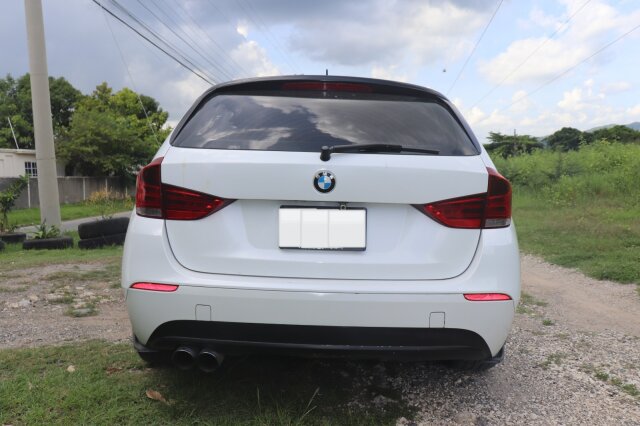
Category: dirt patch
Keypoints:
(61, 303)
(582, 302)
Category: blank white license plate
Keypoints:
(325, 229)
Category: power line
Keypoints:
(221, 49)
(175, 50)
(495, 12)
(126, 66)
(192, 44)
(265, 30)
(153, 43)
(545, 41)
(565, 72)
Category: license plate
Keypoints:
(322, 228)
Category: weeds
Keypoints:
(580, 208)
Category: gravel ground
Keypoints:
(573, 356)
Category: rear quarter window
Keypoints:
(306, 124)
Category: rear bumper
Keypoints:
(430, 311)
(205, 315)
(321, 341)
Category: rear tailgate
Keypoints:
(401, 242)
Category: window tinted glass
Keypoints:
(279, 123)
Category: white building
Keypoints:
(18, 162)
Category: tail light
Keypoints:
(479, 211)
(161, 201)
(328, 86)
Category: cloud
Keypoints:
(380, 31)
(589, 29)
(254, 58)
(388, 73)
(615, 87)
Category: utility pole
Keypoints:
(42, 125)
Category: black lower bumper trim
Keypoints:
(361, 342)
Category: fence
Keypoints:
(72, 189)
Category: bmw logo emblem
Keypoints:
(324, 181)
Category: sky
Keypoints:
(521, 66)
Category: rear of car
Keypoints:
(322, 216)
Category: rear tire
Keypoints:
(477, 365)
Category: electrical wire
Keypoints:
(176, 51)
(495, 12)
(545, 41)
(568, 70)
(265, 30)
(191, 44)
(221, 49)
(126, 66)
(122, 21)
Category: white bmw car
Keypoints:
(320, 216)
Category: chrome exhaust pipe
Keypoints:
(184, 357)
(209, 360)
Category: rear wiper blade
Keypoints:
(325, 153)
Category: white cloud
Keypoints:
(572, 100)
(634, 112)
(388, 73)
(615, 87)
(382, 32)
(253, 58)
(521, 103)
(243, 28)
(590, 28)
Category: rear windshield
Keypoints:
(306, 124)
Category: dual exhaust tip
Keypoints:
(187, 357)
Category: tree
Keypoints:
(568, 138)
(109, 134)
(509, 146)
(15, 104)
(618, 133)
(8, 198)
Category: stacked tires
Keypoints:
(102, 233)
(56, 243)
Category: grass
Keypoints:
(553, 359)
(601, 239)
(24, 217)
(109, 386)
(13, 258)
(528, 302)
(628, 388)
(580, 209)
(547, 322)
(110, 274)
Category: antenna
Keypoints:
(13, 133)
(326, 71)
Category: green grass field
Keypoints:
(14, 258)
(109, 384)
(23, 217)
(580, 209)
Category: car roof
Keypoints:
(277, 81)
